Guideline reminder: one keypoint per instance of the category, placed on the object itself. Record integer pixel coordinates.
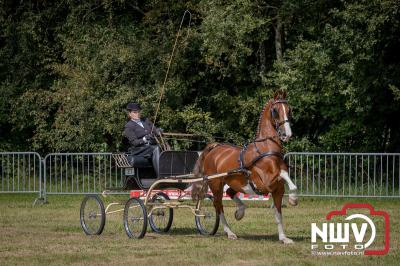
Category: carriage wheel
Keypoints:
(161, 217)
(92, 215)
(208, 223)
(135, 218)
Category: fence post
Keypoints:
(42, 183)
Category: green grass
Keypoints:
(51, 234)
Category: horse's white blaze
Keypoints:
(248, 190)
(286, 177)
(288, 130)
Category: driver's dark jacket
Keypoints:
(134, 133)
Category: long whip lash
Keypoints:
(170, 62)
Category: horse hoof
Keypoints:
(239, 214)
(293, 200)
(287, 241)
(232, 236)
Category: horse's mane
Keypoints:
(259, 119)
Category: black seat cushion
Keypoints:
(140, 161)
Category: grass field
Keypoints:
(51, 234)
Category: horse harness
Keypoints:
(245, 169)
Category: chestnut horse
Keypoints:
(256, 168)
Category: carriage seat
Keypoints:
(139, 161)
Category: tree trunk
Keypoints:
(263, 57)
(278, 39)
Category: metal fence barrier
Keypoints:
(80, 173)
(345, 174)
(315, 174)
(21, 172)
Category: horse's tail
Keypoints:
(200, 188)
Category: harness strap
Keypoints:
(241, 157)
(253, 187)
(262, 155)
(259, 157)
(254, 161)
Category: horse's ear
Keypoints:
(284, 94)
(280, 95)
(277, 95)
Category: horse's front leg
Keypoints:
(293, 200)
(217, 188)
(240, 206)
(277, 196)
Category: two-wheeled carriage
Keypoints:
(152, 206)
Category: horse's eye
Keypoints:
(274, 113)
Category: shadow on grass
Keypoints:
(193, 233)
(187, 231)
(190, 232)
(273, 237)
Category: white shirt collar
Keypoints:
(139, 122)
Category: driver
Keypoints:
(139, 134)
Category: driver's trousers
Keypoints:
(147, 151)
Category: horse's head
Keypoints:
(280, 116)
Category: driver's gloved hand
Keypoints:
(146, 140)
(150, 140)
(160, 131)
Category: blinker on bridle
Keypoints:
(274, 115)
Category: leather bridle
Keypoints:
(274, 115)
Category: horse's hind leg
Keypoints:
(217, 188)
(240, 206)
(278, 196)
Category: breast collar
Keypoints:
(245, 168)
(260, 154)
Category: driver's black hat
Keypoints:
(133, 107)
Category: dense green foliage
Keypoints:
(68, 69)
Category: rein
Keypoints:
(267, 138)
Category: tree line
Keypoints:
(68, 68)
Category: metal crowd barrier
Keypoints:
(315, 174)
(345, 174)
(20, 172)
(80, 173)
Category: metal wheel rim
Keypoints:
(92, 215)
(160, 217)
(135, 218)
(207, 224)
